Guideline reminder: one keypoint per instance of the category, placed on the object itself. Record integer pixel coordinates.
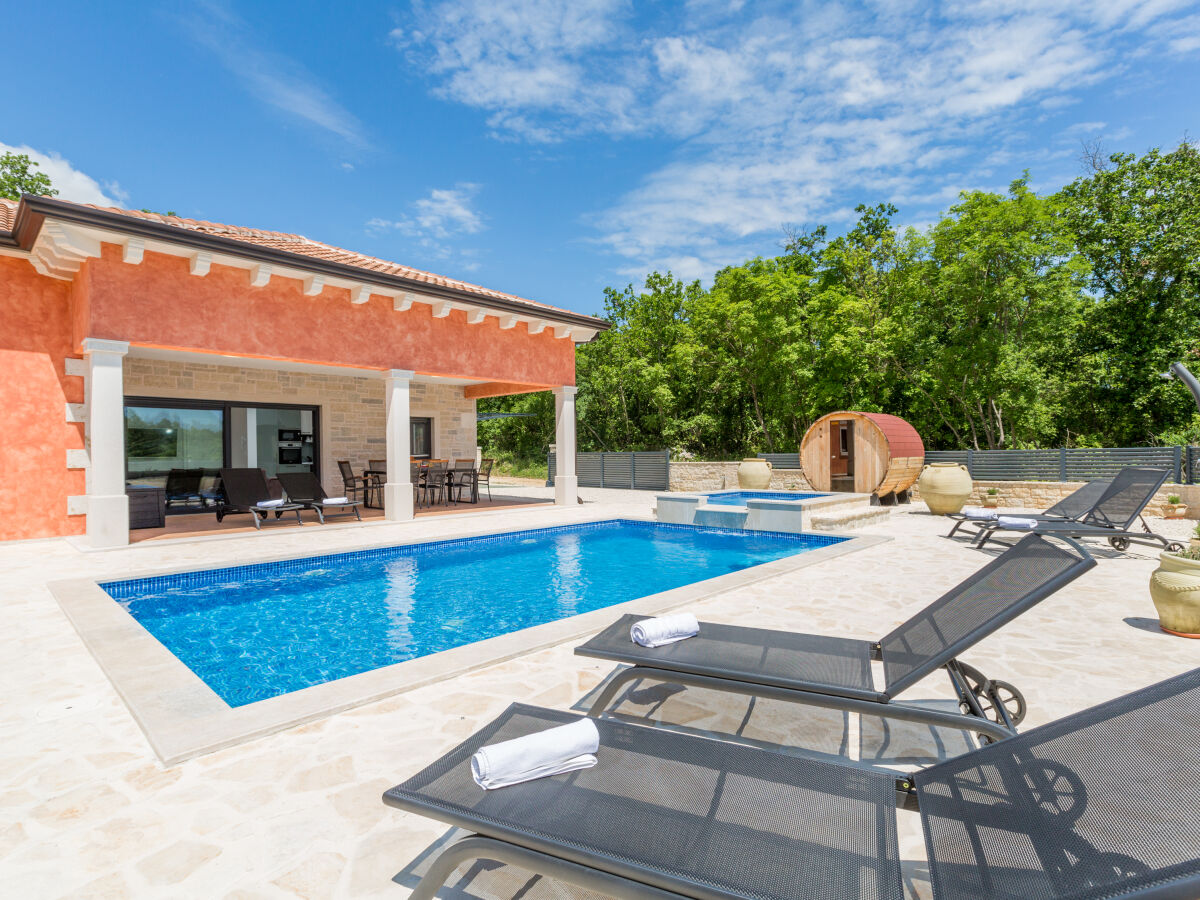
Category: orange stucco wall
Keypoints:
(160, 303)
(35, 338)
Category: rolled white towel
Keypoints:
(664, 630)
(974, 512)
(550, 752)
(267, 504)
(335, 501)
(1016, 522)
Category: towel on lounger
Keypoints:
(974, 512)
(334, 501)
(267, 504)
(1016, 522)
(550, 752)
(664, 630)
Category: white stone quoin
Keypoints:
(397, 492)
(107, 504)
(566, 485)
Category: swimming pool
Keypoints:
(739, 498)
(253, 632)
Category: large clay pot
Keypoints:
(1175, 590)
(944, 487)
(754, 475)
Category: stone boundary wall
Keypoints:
(720, 476)
(1042, 494)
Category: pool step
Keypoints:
(849, 517)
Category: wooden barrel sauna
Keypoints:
(867, 453)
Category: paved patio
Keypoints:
(87, 811)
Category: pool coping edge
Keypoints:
(182, 717)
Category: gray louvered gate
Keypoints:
(644, 471)
(782, 460)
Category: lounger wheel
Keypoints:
(1120, 544)
(992, 691)
(1175, 547)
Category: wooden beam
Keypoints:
(537, 326)
(360, 293)
(476, 316)
(507, 322)
(441, 309)
(313, 285)
(260, 275)
(501, 389)
(562, 331)
(403, 303)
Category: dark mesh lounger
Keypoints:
(1070, 508)
(836, 672)
(243, 489)
(305, 488)
(1112, 517)
(1101, 804)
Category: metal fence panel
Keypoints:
(652, 471)
(782, 460)
(646, 471)
(1063, 464)
(1192, 469)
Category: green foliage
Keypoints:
(1015, 320)
(18, 176)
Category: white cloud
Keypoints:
(779, 109)
(71, 183)
(275, 79)
(445, 213)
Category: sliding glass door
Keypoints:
(180, 445)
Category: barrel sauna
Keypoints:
(867, 453)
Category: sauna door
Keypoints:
(841, 455)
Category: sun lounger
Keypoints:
(1070, 508)
(246, 491)
(836, 672)
(1104, 803)
(1113, 517)
(305, 489)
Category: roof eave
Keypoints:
(33, 211)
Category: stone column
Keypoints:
(566, 485)
(397, 492)
(104, 386)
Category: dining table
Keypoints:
(381, 474)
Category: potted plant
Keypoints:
(1176, 508)
(1175, 590)
(992, 498)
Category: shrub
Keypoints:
(1174, 499)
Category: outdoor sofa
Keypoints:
(305, 488)
(246, 491)
(1104, 803)
(835, 672)
(1070, 508)
(1113, 517)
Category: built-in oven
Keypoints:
(290, 456)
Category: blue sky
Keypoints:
(551, 149)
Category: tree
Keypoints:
(1137, 222)
(17, 177)
(987, 332)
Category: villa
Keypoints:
(300, 714)
(137, 343)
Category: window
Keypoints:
(421, 437)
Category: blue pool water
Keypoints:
(739, 498)
(253, 632)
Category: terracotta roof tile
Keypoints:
(298, 244)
